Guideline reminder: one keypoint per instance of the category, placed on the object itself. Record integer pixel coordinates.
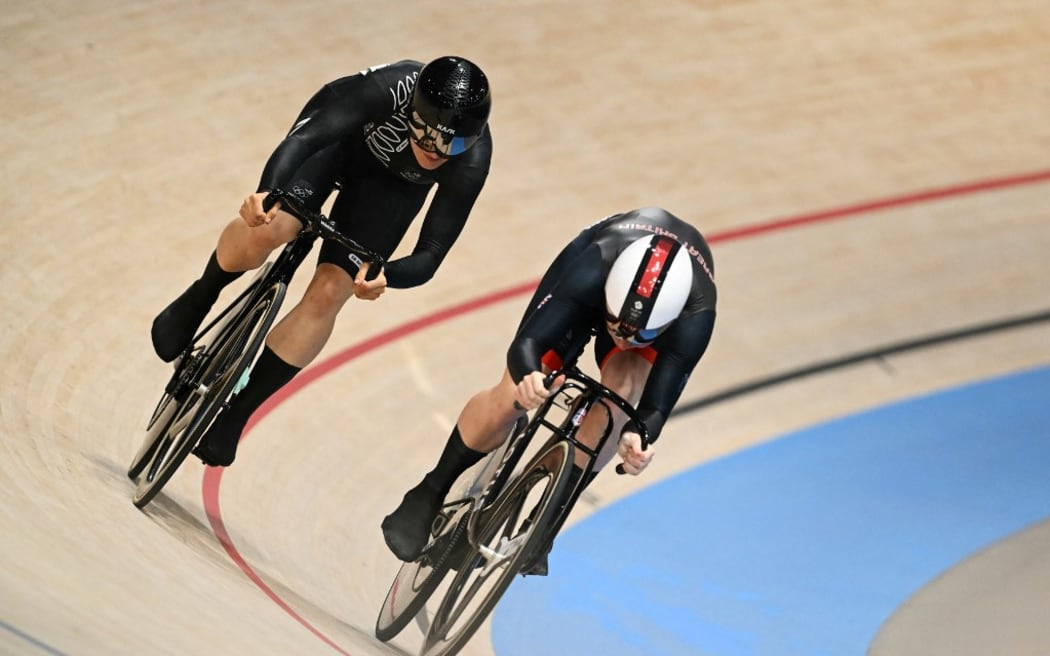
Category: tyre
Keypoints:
(516, 528)
(184, 414)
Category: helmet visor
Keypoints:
(433, 140)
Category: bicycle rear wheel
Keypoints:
(510, 534)
(184, 413)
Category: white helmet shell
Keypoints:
(649, 283)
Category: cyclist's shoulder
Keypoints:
(403, 69)
(465, 175)
(395, 80)
(657, 217)
(618, 231)
(584, 275)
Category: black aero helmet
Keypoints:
(450, 106)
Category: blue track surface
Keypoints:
(803, 545)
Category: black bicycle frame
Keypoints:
(591, 393)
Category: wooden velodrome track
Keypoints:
(132, 131)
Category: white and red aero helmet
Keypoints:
(647, 287)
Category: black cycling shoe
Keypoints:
(173, 328)
(407, 529)
(218, 447)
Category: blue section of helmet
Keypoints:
(648, 335)
(458, 145)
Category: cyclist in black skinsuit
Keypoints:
(384, 138)
(645, 280)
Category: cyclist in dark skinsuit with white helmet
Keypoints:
(645, 280)
(383, 137)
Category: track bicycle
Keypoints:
(505, 520)
(215, 365)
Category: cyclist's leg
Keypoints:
(240, 248)
(374, 210)
(243, 248)
(488, 417)
(483, 425)
(292, 344)
(297, 339)
(624, 372)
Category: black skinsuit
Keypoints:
(354, 134)
(570, 303)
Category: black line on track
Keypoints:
(876, 353)
(42, 646)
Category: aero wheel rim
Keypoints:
(155, 432)
(167, 447)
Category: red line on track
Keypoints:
(213, 476)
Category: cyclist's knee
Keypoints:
(275, 234)
(498, 402)
(487, 417)
(242, 247)
(329, 289)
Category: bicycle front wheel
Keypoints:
(510, 533)
(417, 580)
(155, 429)
(181, 418)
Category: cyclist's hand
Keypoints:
(531, 391)
(369, 290)
(252, 211)
(635, 460)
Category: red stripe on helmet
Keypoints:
(653, 267)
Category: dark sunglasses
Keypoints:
(434, 141)
(636, 336)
